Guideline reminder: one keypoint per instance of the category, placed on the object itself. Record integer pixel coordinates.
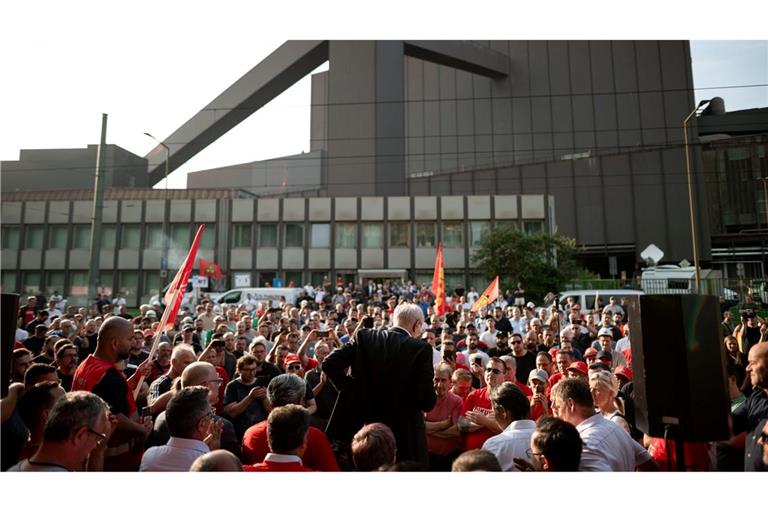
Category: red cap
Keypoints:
(553, 352)
(623, 371)
(292, 358)
(591, 351)
(579, 366)
(148, 332)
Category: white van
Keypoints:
(586, 298)
(272, 295)
(675, 280)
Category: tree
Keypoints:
(541, 262)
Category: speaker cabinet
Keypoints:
(678, 360)
(9, 309)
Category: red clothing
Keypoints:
(311, 364)
(90, 372)
(553, 379)
(276, 466)
(448, 407)
(698, 456)
(225, 377)
(477, 401)
(525, 389)
(156, 372)
(318, 455)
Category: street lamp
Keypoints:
(165, 225)
(690, 194)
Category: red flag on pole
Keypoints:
(180, 281)
(489, 295)
(438, 283)
(210, 269)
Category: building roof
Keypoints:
(125, 193)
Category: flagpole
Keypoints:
(158, 334)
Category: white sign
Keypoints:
(242, 280)
(200, 281)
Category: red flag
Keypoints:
(210, 269)
(180, 281)
(438, 283)
(489, 295)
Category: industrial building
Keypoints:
(584, 138)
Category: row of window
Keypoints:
(372, 234)
(125, 236)
(346, 235)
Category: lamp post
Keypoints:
(165, 217)
(764, 179)
(690, 194)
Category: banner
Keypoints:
(489, 295)
(438, 283)
(210, 269)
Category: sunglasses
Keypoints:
(495, 371)
(294, 367)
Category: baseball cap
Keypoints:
(291, 359)
(539, 375)
(591, 351)
(623, 371)
(187, 327)
(605, 331)
(579, 366)
(599, 366)
(151, 313)
(605, 355)
(530, 305)
(148, 332)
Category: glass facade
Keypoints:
(10, 237)
(373, 235)
(241, 235)
(131, 236)
(33, 237)
(267, 235)
(57, 236)
(425, 234)
(346, 235)
(81, 236)
(320, 235)
(294, 235)
(154, 235)
(453, 234)
(399, 234)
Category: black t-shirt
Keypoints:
(751, 337)
(327, 397)
(30, 327)
(525, 364)
(84, 352)
(235, 392)
(66, 381)
(13, 435)
(43, 359)
(268, 369)
(113, 389)
(749, 419)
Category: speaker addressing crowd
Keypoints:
(362, 378)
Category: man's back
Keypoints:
(391, 383)
(608, 447)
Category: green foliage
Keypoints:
(542, 262)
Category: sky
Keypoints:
(152, 66)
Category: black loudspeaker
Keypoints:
(678, 361)
(9, 310)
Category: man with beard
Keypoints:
(160, 389)
(66, 363)
(35, 342)
(98, 374)
(87, 343)
(245, 398)
(325, 394)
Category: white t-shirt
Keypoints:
(489, 339)
(512, 443)
(608, 447)
(468, 357)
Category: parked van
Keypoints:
(675, 280)
(586, 298)
(273, 295)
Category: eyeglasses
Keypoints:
(495, 371)
(102, 437)
(294, 367)
(516, 342)
(530, 453)
(218, 381)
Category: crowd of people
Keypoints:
(354, 378)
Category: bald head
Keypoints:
(197, 374)
(114, 339)
(757, 366)
(217, 460)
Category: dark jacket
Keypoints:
(390, 382)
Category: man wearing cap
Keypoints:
(604, 344)
(578, 370)
(186, 337)
(590, 355)
(511, 411)
(606, 445)
(294, 366)
(537, 383)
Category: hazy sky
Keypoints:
(151, 66)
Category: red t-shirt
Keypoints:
(477, 401)
(448, 407)
(697, 455)
(318, 455)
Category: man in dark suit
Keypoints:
(390, 382)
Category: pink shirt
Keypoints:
(448, 407)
